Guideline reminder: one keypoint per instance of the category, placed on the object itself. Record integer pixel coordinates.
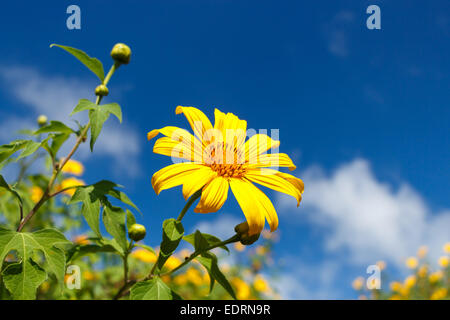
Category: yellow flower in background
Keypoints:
(412, 262)
(395, 297)
(423, 271)
(439, 294)
(180, 279)
(194, 276)
(242, 289)
(447, 247)
(444, 261)
(219, 158)
(396, 286)
(410, 281)
(73, 167)
(144, 255)
(260, 284)
(381, 264)
(36, 193)
(435, 277)
(261, 250)
(87, 275)
(358, 283)
(239, 246)
(422, 252)
(172, 262)
(71, 182)
(81, 239)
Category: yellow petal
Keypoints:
(198, 121)
(173, 175)
(274, 160)
(171, 148)
(258, 144)
(269, 178)
(197, 181)
(255, 205)
(214, 195)
(233, 129)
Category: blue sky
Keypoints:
(363, 113)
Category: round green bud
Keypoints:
(42, 120)
(247, 240)
(137, 232)
(121, 53)
(101, 90)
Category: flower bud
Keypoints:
(101, 90)
(42, 120)
(248, 240)
(242, 230)
(121, 53)
(137, 232)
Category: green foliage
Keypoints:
(23, 277)
(154, 289)
(98, 115)
(201, 241)
(172, 234)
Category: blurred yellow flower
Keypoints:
(87, 275)
(260, 284)
(422, 272)
(358, 283)
(144, 255)
(81, 239)
(73, 167)
(381, 264)
(439, 294)
(180, 279)
(242, 289)
(447, 247)
(395, 297)
(410, 281)
(422, 252)
(194, 276)
(36, 193)
(172, 263)
(219, 158)
(266, 234)
(239, 246)
(396, 286)
(435, 276)
(261, 250)
(444, 261)
(412, 262)
(70, 182)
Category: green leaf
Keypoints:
(97, 118)
(5, 185)
(131, 219)
(54, 126)
(8, 150)
(30, 148)
(92, 64)
(113, 108)
(58, 140)
(114, 221)
(78, 251)
(146, 247)
(82, 105)
(22, 279)
(90, 208)
(154, 289)
(209, 261)
(210, 239)
(119, 195)
(172, 234)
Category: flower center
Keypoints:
(229, 170)
(226, 160)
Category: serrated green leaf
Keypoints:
(78, 251)
(119, 195)
(97, 118)
(82, 105)
(92, 64)
(58, 140)
(114, 221)
(90, 206)
(54, 126)
(211, 240)
(172, 234)
(154, 289)
(114, 109)
(209, 261)
(23, 280)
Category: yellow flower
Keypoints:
(444, 261)
(219, 158)
(70, 182)
(172, 262)
(260, 250)
(422, 272)
(194, 276)
(73, 167)
(260, 284)
(242, 289)
(395, 297)
(447, 247)
(422, 252)
(439, 294)
(81, 239)
(396, 286)
(144, 255)
(36, 193)
(87, 275)
(381, 264)
(239, 246)
(410, 281)
(358, 283)
(412, 262)
(435, 277)
(180, 279)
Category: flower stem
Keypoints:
(191, 200)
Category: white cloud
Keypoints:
(222, 226)
(367, 219)
(56, 97)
